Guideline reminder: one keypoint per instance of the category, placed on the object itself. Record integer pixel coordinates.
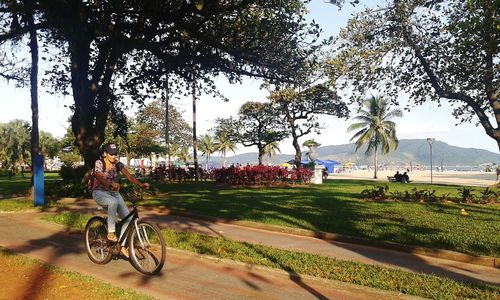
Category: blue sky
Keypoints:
(423, 121)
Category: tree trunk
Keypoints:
(261, 155)
(91, 97)
(35, 141)
(295, 139)
(298, 153)
(195, 139)
(127, 155)
(376, 164)
(167, 124)
(88, 137)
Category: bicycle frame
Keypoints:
(124, 232)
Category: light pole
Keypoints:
(430, 141)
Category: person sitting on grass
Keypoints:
(106, 187)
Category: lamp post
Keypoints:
(430, 141)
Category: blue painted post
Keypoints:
(38, 179)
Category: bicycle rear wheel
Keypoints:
(96, 241)
(147, 248)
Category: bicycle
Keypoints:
(145, 242)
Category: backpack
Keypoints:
(89, 177)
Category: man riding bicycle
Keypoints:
(106, 187)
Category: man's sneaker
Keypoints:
(112, 237)
(124, 252)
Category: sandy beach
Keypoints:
(482, 179)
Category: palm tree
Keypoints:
(207, 147)
(223, 145)
(271, 149)
(375, 126)
(183, 154)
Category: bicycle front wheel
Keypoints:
(147, 248)
(96, 241)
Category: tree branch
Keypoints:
(441, 92)
(22, 31)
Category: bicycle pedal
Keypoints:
(115, 249)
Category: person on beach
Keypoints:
(398, 177)
(405, 178)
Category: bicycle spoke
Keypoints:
(147, 249)
(96, 242)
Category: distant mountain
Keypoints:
(415, 151)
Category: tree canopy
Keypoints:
(152, 117)
(433, 50)
(300, 106)
(257, 124)
(14, 143)
(102, 52)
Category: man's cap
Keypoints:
(110, 148)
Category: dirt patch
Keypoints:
(24, 278)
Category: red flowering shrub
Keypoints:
(259, 175)
(302, 175)
(178, 174)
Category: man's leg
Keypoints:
(105, 199)
(122, 209)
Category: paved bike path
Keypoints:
(345, 251)
(185, 276)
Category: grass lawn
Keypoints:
(25, 278)
(13, 205)
(314, 265)
(335, 206)
(19, 185)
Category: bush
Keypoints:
(179, 174)
(375, 193)
(423, 195)
(466, 195)
(489, 196)
(72, 175)
(302, 175)
(260, 175)
(6, 173)
(59, 189)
